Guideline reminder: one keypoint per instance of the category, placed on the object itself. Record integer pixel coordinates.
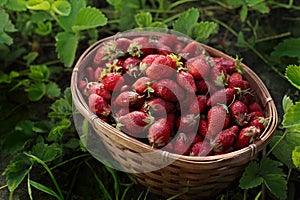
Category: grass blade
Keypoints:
(45, 189)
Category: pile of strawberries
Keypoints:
(173, 95)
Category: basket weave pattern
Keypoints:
(194, 177)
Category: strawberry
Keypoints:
(98, 105)
(259, 122)
(201, 149)
(236, 83)
(217, 119)
(134, 123)
(162, 67)
(229, 65)
(99, 57)
(186, 80)
(247, 136)
(168, 90)
(131, 66)
(198, 67)
(225, 139)
(222, 96)
(255, 114)
(82, 85)
(129, 99)
(247, 97)
(202, 86)
(157, 107)
(239, 113)
(112, 81)
(168, 40)
(122, 44)
(141, 84)
(191, 50)
(90, 74)
(140, 46)
(182, 144)
(235, 76)
(97, 72)
(159, 133)
(98, 88)
(228, 150)
(218, 76)
(194, 137)
(203, 126)
(187, 123)
(163, 49)
(198, 105)
(120, 111)
(254, 106)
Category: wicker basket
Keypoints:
(193, 177)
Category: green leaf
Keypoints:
(62, 107)
(186, 20)
(292, 73)
(244, 13)
(36, 91)
(43, 28)
(5, 26)
(269, 166)
(277, 185)
(289, 47)
(15, 141)
(66, 46)
(39, 72)
(262, 8)
(88, 18)
(58, 130)
(16, 171)
(292, 117)
(287, 103)
(61, 7)
(30, 57)
(252, 3)
(251, 177)
(16, 5)
(26, 127)
(201, 31)
(143, 19)
(73, 143)
(52, 89)
(296, 156)
(235, 2)
(38, 5)
(67, 22)
(46, 152)
(7, 78)
(44, 189)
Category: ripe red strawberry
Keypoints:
(112, 81)
(82, 85)
(247, 97)
(228, 150)
(141, 84)
(259, 122)
(247, 136)
(157, 107)
(201, 149)
(163, 49)
(202, 86)
(191, 50)
(218, 76)
(140, 46)
(198, 67)
(90, 74)
(162, 67)
(222, 96)
(168, 90)
(121, 111)
(194, 137)
(134, 124)
(229, 65)
(235, 76)
(98, 105)
(255, 114)
(239, 113)
(99, 59)
(122, 44)
(186, 80)
(198, 105)
(254, 106)
(97, 72)
(203, 126)
(131, 66)
(159, 133)
(182, 144)
(235, 83)
(187, 123)
(168, 39)
(225, 139)
(129, 98)
(98, 88)
(217, 119)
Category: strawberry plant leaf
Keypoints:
(269, 166)
(67, 22)
(43, 28)
(62, 107)
(287, 103)
(244, 12)
(88, 18)
(292, 73)
(296, 156)
(143, 19)
(46, 152)
(16, 5)
(7, 78)
(15, 141)
(262, 8)
(291, 119)
(52, 89)
(5, 26)
(16, 171)
(186, 20)
(277, 185)
(201, 31)
(56, 133)
(36, 91)
(38, 5)
(251, 177)
(289, 47)
(39, 72)
(66, 45)
(62, 8)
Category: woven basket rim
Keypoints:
(265, 137)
